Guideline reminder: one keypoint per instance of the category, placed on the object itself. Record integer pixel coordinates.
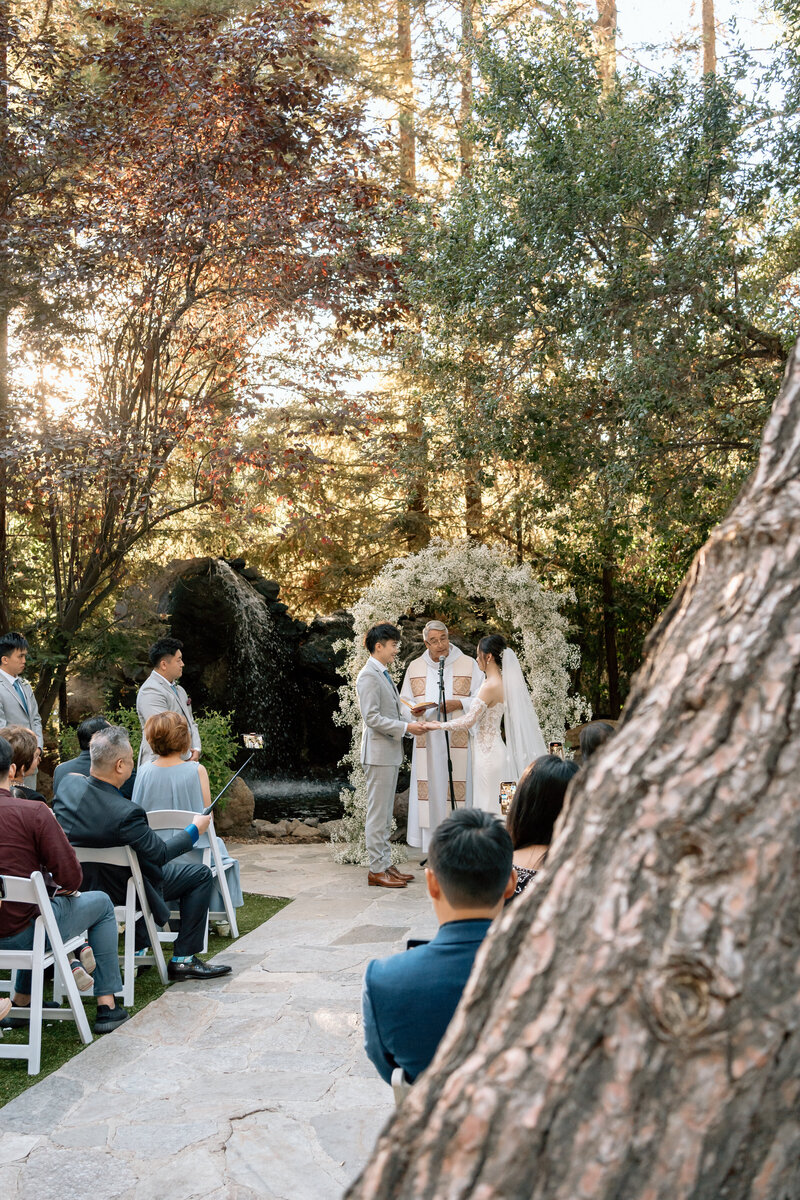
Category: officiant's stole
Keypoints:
(459, 738)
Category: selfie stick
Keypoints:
(206, 811)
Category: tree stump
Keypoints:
(632, 1028)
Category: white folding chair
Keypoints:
(136, 905)
(173, 818)
(400, 1086)
(37, 960)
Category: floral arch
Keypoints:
(406, 583)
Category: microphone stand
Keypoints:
(443, 711)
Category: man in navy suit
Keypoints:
(409, 999)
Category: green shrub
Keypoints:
(220, 744)
(68, 743)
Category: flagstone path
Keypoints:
(255, 1085)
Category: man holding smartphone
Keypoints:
(93, 812)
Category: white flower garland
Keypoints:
(406, 583)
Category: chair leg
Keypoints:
(37, 990)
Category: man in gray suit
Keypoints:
(17, 702)
(161, 692)
(381, 750)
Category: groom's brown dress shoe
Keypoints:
(396, 873)
(384, 879)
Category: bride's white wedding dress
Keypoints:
(494, 762)
(490, 761)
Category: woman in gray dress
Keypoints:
(169, 781)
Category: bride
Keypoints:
(503, 693)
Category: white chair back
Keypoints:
(400, 1086)
(175, 818)
(37, 960)
(136, 905)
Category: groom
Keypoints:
(381, 750)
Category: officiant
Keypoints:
(429, 794)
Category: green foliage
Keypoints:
(610, 294)
(220, 748)
(68, 743)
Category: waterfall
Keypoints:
(260, 672)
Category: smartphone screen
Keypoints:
(507, 790)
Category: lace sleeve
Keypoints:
(476, 711)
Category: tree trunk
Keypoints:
(610, 639)
(417, 518)
(5, 614)
(632, 1028)
(473, 490)
(605, 29)
(405, 99)
(465, 147)
(709, 39)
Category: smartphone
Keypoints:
(252, 741)
(556, 748)
(507, 790)
(2, 888)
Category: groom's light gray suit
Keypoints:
(381, 756)
(14, 712)
(155, 696)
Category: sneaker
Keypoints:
(23, 1022)
(86, 955)
(109, 1018)
(81, 977)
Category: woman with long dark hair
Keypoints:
(534, 811)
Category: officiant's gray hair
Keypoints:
(433, 625)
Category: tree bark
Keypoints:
(632, 1027)
(405, 100)
(473, 489)
(5, 614)
(606, 35)
(709, 39)
(610, 638)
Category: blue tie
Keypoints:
(21, 694)
(388, 676)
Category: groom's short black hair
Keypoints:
(381, 633)
(471, 855)
(166, 647)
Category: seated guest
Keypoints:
(593, 736)
(93, 812)
(82, 764)
(33, 841)
(534, 811)
(170, 781)
(25, 749)
(409, 999)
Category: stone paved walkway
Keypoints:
(251, 1086)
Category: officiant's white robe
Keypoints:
(438, 789)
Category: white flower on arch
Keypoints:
(471, 569)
